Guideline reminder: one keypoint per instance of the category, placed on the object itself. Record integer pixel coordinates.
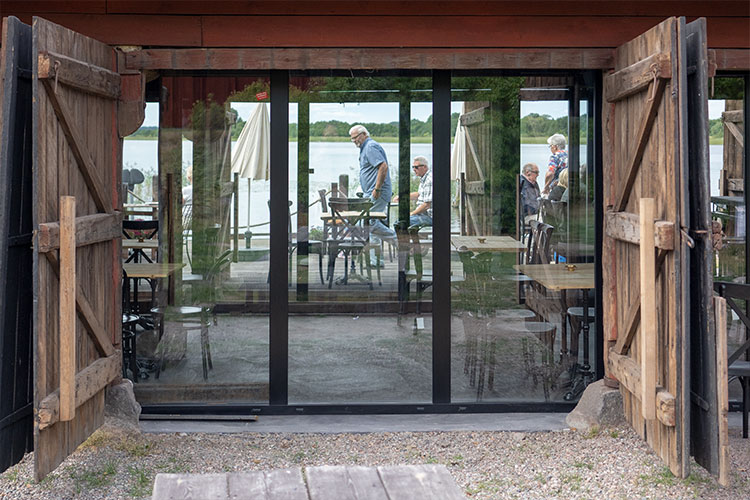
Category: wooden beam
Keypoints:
(88, 382)
(732, 59)
(736, 133)
(90, 229)
(67, 312)
(79, 149)
(637, 77)
(722, 377)
(647, 121)
(473, 151)
(624, 226)
(349, 58)
(649, 323)
(86, 313)
(628, 373)
(82, 76)
(633, 318)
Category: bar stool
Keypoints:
(189, 318)
(129, 322)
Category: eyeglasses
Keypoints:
(354, 138)
(417, 166)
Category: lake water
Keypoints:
(328, 160)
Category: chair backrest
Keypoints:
(542, 239)
(149, 228)
(350, 227)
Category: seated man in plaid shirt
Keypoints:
(422, 214)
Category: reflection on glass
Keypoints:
(522, 227)
(727, 156)
(212, 216)
(359, 323)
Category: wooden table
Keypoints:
(487, 243)
(150, 271)
(140, 245)
(149, 208)
(349, 214)
(323, 482)
(557, 277)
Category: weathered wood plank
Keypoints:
(356, 483)
(722, 366)
(79, 75)
(192, 487)
(286, 483)
(67, 311)
(628, 373)
(80, 151)
(90, 229)
(637, 77)
(408, 482)
(732, 59)
(624, 226)
(88, 382)
(639, 147)
(648, 310)
(86, 313)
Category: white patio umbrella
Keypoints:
(458, 155)
(251, 155)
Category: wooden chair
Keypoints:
(141, 230)
(349, 236)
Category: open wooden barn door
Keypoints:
(77, 154)
(653, 187)
(16, 357)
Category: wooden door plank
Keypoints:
(86, 313)
(648, 311)
(635, 157)
(722, 389)
(80, 151)
(624, 226)
(473, 151)
(88, 382)
(79, 75)
(90, 229)
(67, 310)
(637, 77)
(419, 481)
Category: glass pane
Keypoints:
(355, 333)
(727, 158)
(202, 336)
(522, 222)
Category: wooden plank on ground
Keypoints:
(90, 229)
(637, 76)
(286, 484)
(191, 487)
(360, 483)
(67, 311)
(88, 382)
(249, 484)
(624, 226)
(648, 310)
(409, 482)
(720, 313)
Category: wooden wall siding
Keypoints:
(386, 7)
(657, 177)
(389, 30)
(56, 173)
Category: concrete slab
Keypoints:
(336, 424)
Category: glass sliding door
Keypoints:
(359, 271)
(204, 338)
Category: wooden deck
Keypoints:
(394, 482)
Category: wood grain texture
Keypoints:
(67, 308)
(648, 310)
(82, 76)
(90, 229)
(636, 77)
(624, 226)
(720, 312)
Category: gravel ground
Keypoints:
(610, 464)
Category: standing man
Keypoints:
(422, 214)
(557, 161)
(374, 178)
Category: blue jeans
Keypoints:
(377, 228)
(422, 219)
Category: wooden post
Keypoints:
(648, 311)
(344, 185)
(67, 308)
(236, 216)
(720, 316)
(334, 190)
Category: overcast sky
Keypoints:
(385, 112)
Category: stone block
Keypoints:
(599, 406)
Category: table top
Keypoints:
(327, 481)
(487, 243)
(148, 204)
(558, 277)
(151, 270)
(355, 213)
(140, 245)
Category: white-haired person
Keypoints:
(422, 214)
(558, 161)
(529, 192)
(374, 179)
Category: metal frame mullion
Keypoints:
(441, 223)
(278, 296)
